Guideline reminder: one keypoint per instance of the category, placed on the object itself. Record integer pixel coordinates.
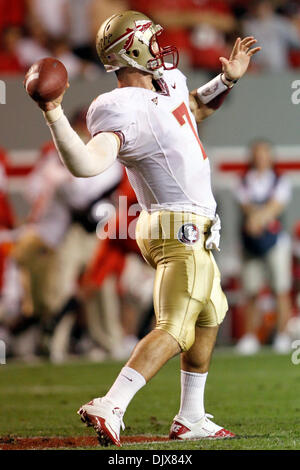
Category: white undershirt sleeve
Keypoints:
(81, 160)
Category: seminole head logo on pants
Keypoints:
(188, 234)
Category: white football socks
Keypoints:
(126, 385)
(192, 396)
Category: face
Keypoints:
(262, 158)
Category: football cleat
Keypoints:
(105, 418)
(182, 429)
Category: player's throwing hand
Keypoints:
(240, 57)
(46, 82)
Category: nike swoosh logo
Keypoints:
(173, 86)
(130, 380)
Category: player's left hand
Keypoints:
(237, 64)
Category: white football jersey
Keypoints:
(161, 150)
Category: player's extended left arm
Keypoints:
(208, 98)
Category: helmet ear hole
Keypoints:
(136, 53)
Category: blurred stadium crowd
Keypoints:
(202, 30)
(66, 288)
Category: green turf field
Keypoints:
(257, 398)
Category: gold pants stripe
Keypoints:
(187, 287)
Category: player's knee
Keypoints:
(190, 362)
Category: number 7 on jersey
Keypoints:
(180, 114)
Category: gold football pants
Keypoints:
(187, 288)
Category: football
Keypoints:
(46, 79)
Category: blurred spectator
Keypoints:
(207, 38)
(171, 15)
(75, 66)
(60, 236)
(196, 27)
(103, 9)
(7, 219)
(81, 40)
(240, 8)
(32, 46)
(274, 33)
(59, 28)
(296, 265)
(10, 282)
(117, 265)
(51, 15)
(6, 213)
(263, 194)
(292, 10)
(12, 13)
(202, 30)
(9, 60)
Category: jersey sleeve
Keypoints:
(105, 117)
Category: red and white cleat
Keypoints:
(105, 418)
(205, 428)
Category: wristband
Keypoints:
(53, 115)
(214, 88)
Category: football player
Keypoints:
(149, 123)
